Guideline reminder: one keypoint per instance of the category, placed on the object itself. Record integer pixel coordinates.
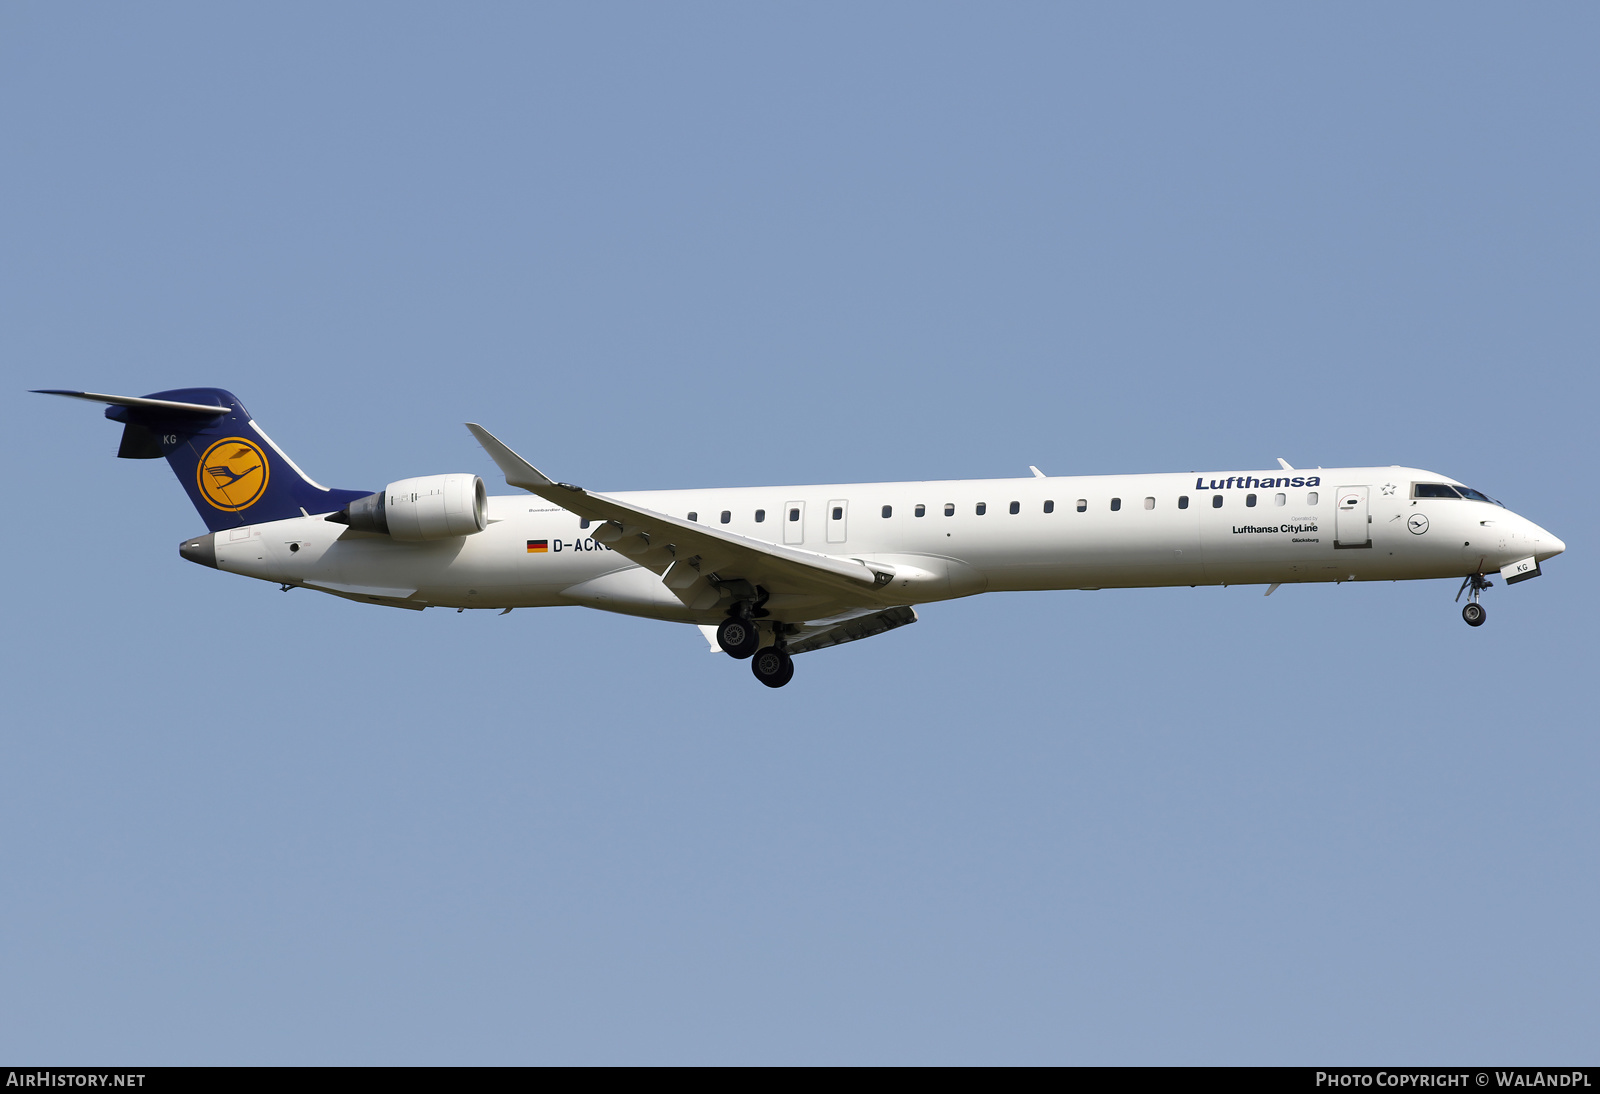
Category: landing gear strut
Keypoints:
(772, 666)
(1473, 612)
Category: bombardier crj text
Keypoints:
(772, 572)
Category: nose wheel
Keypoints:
(1473, 612)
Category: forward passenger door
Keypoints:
(1352, 524)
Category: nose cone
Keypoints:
(1545, 545)
(201, 549)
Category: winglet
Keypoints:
(518, 471)
(1283, 463)
(1036, 472)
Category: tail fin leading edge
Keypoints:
(231, 470)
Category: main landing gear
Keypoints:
(738, 637)
(1473, 612)
(773, 667)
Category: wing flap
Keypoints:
(850, 628)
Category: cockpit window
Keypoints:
(1444, 490)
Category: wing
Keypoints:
(696, 562)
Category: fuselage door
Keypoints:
(794, 522)
(838, 514)
(1352, 527)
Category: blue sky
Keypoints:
(668, 246)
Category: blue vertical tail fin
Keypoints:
(231, 470)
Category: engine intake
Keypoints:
(416, 510)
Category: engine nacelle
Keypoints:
(415, 510)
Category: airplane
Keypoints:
(769, 573)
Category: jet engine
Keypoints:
(415, 510)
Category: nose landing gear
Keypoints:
(1473, 612)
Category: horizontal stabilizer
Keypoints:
(160, 406)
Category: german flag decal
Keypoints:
(538, 546)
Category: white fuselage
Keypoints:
(943, 539)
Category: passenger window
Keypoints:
(981, 508)
(1183, 501)
(838, 512)
(1083, 505)
(1116, 505)
(1311, 498)
(584, 523)
(1250, 501)
(1149, 503)
(1279, 499)
(949, 508)
(920, 511)
(794, 514)
(1049, 507)
(888, 511)
(1016, 507)
(1216, 501)
(726, 516)
(761, 516)
(694, 516)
